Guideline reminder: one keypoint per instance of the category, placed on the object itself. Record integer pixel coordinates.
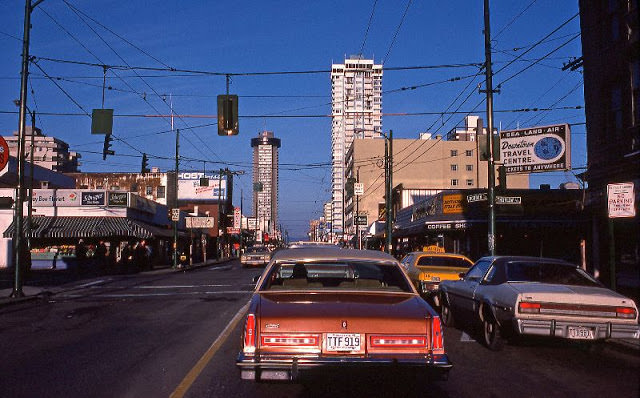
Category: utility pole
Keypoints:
(24, 76)
(175, 223)
(30, 203)
(491, 161)
(388, 156)
(358, 211)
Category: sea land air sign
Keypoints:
(536, 149)
(189, 187)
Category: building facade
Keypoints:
(265, 181)
(423, 167)
(48, 152)
(611, 64)
(356, 96)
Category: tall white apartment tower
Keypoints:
(356, 96)
(265, 181)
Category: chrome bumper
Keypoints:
(560, 329)
(289, 368)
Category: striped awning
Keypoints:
(86, 227)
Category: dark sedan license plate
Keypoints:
(342, 342)
(581, 333)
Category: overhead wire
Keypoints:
(366, 33)
(395, 35)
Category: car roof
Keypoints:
(311, 253)
(438, 254)
(528, 258)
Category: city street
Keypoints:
(160, 333)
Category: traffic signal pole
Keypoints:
(175, 223)
(491, 198)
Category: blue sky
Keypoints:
(273, 36)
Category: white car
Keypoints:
(513, 296)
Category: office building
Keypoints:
(265, 181)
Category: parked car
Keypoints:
(518, 296)
(426, 270)
(255, 255)
(329, 308)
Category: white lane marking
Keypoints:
(466, 338)
(176, 286)
(158, 294)
(93, 283)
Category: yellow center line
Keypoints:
(193, 374)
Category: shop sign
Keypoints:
(446, 226)
(4, 156)
(237, 218)
(452, 204)
(621, 200)
(117, 199)
(477, 197)
(536, 149)
(95, 198)
(233, 231)
(189, 187)
(199, 222)
(56, 197)
(508, 200)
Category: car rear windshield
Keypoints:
(351, 275)
(256, 250)
(564, 274)
(434, 261)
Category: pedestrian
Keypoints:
(126, 256)
(81, 255)
(141, 255)
(101, 255)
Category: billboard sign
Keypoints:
(4, 156)
(536, 149)
(117, 199)
(95, 198)
(199, 222)
(621, 200)
(452, 204)
(189, 187)
(237, 218)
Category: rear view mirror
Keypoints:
(461, 275)
(256, 278)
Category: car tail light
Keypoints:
(391, 341)
(250, 335)
(437, 338)
(626, 312)
(289, 340)
(529, 308)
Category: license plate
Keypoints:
(579, 332)
(342, 342)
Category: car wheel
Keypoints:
(446, 314)
(491, 333)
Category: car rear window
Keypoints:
(351, 275)
(432, 261)
(563, 274)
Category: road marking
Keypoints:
(466, 338)
(193, 374)
(177, 286)
(223, 268)
(125, 295)
(93, 283)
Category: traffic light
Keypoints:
(502, 177)
(105, 148)
(145, 164)
(227, 114)
(348, 187)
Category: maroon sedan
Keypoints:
(324, 308)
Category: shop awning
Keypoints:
(89, 227)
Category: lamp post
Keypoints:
(388, 173)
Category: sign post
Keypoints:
(620, 204)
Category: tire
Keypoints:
(491, 335)
(446, 315)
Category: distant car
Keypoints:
(427, 270)
(329, 308)
(256, 255)
(515, 296)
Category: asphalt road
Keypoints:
(162, 333)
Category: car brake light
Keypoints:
(306, 340)
(529, 308)
(390, 341)
(437, 337)
(250, 335)
(626, 312)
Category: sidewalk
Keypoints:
(38, 290)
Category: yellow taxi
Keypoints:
(429, 267)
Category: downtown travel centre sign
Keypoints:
(536, 149)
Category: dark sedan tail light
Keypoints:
(437, 337)
(626, 312)
(250, 335)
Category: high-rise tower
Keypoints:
(356, 95)
(265, 181)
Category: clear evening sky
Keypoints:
(236, 37)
